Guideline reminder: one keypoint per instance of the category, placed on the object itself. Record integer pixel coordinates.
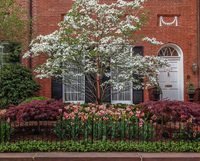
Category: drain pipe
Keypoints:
(198, 19)
(30, 30)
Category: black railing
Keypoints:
(100, 129)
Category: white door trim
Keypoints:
(180, 67)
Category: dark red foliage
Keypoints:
(172, 110)
(35, 110)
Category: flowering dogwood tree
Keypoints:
(95, 41)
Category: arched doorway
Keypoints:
(171, 78)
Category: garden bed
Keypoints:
(113, 123)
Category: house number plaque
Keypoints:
(168, 85)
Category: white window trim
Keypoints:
(131, 91)
(2, 53)
(64, 92)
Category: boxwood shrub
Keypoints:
(16, 84)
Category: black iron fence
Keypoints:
(100, 128)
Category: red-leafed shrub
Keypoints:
(172, 110)
(35, 110)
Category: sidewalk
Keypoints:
(96, 156)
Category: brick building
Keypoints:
(174, 22)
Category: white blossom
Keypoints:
(96, 38)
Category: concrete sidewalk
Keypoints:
(97, 156)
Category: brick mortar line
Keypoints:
(140, 156)
(33, 158)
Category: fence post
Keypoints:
(92, 127)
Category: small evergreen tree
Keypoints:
(16, 84)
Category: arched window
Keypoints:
(168, 51)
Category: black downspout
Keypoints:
(198, 41)
(30, 30)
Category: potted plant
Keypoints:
(156, 92)
(191, 91)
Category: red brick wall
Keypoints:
(184, 35)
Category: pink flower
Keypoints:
(111, 107)
(92, 111)
(60, 110)
(183, 116)
(142, 114)
(149, 107)
(132, 108)
(75, 107)
(72, 114)
(72, 123)
(66, 115)
(141, 121)
(66, 107)
(98, 114)
(87, 109)
(138, 111)
(123, 112)
(102, 107)
(119, 109)
(85, 117)
(107, 112)
(140, 124)
(71, 104)
(131, 113)
(102, 112)
(75, 111)
(128, 109)
(81, 113)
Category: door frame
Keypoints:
(180, 67)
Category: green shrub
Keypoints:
(85, 105)
(16, 84)
(38, 98)
(99, 146)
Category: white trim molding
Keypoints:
(178, 58)
(175, 21)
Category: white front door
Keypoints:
(169, 79)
